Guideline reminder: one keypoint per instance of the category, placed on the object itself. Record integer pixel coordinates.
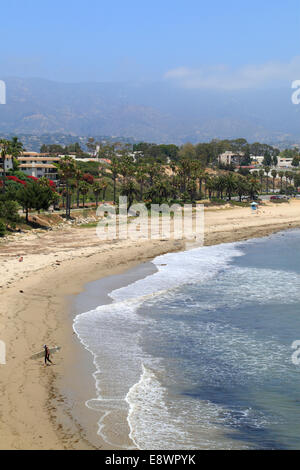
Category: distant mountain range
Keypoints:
(154, 112)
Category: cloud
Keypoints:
(226, 78)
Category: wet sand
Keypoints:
(37, 307)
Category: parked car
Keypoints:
(272, 198)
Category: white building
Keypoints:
(228, 157)
(284, 162)
(38, 165)
(8, 163)
(257, 159)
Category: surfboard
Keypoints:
(42, 353)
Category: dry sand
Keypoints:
(34, 309)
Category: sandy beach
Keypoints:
(35, 308)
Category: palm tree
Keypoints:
(267, 170)
(192, 189)
(104, 186)
(241, 187)
(84, 188)
(206, 178)
(200, 179)
(78, 177)
(253, 186)
(261, 175)
(220, 185)
(209, 186)
(274, 174)
(174, 186)
(15, 147)
(115, 169)
(297, 181)
(185, 168)
(290, 176)
(152, 170)
(67, 171)
(129, 189)
(126, 166)
(286, 180)
(159, 191)
(230, 185)
(198, 174)
(281, 175)
(141, 175)
(62, 193)
(97, 188)
(4, 146)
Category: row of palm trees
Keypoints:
(264, 176)
(74, 181)
(186, 180)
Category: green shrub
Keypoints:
(2, 229)
(9, 212)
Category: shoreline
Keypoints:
(37, 309)
(38, 416)
(94, 294)
(115, 282)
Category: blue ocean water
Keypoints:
(199, 353)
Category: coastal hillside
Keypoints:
(156, 112)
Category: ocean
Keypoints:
(198, 355)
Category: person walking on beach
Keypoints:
(47, 355)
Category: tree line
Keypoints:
(181, 175)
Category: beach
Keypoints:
(37, 299)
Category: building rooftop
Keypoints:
(39, 159)
(40, 165)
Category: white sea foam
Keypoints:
(155, 423)
(176, 269)
(128, 378)
(111, 332)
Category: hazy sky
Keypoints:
(197, 43)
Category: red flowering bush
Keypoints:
(34, 178)
(17, 180)
(88, 178)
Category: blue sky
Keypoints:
(192, 42)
